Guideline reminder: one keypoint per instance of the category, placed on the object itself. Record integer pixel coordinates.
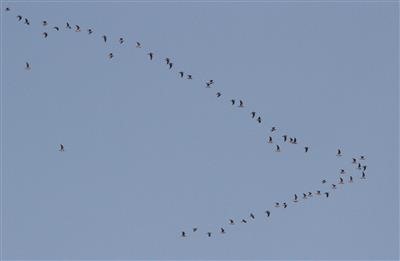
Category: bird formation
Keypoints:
(272, 138)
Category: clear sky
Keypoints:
(148, 154)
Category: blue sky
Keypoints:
(148, 154)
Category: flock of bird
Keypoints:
(357, 161)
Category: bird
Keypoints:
(189, 77)
(359, 166)
(295, 198)
(231, 222)
(304, 196)
(77, 28)
(183, 234)
(284, 138)
(8, 9)
(350, 179)
(61, 147)
(290, 140)
(305, 149)
(342, 171)
(181, 74)
(244, 221)
(121, 40)
(284, 205)
(333, 186)
(278, 149)
(110, 55)
(268, 213)
(68, 26)
(252, 216)
(27, 21)
(309, 194)
(253, 114)
(27, 66)
(170, 65)
(208, 85)
(362, 157)
(44, 23)
(56, 28)
(233, 102)
(294, 141)
(364, 167)
(104, 38)
(318, 192)
(259, 119)
(241, 104)
(138, 45)
(270, 139)
(211, 81)
(326, 194)
(45, 34)
(167, 60)
(19, 17)
(209, 234)
(354, 161)
(340, 180)
(363, 175)
(222, 230)
(90, 31)
(218, 94)
(150, 55)
(339, 153)
(194, 229)
(273, 129)
(323, 181)
(277, 204)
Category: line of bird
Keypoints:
(208, 84)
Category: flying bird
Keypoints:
(362, 157)
(268, 213)
(364, 167)
(104, 38)
(233, 102)
(241, 105)
(121, 40)
(253, 114)
(218, 94)
(323, 181)
(68, 26)
(252, 216)
(27, 21)
(44, 23)
(359, 166)
(8, 9)
(351, 179)
(167, 60)
(341, 180)
(284, 138)
(295, 198)
(273, 129)
(326, 194)
(309, 194)
(333, 186)
(181, 74)
(277, 204)
(259, 119)
(244, 221)
(209, 234)
(110, 55)
(183, 234)
(170, 65)
(150, 55)
(354, 161)
(231, 222)
(305, 149)
(138, 45)
(222, 230)
(194, 229)
(189, 77)
(342, 171)
(56, 28)
(270, 139)
(77, 28)
(318, 192)
(304, 195)
(90, 31)
(363, 175)
(339, 153)
(284, 205)
(27, 66)
(45, 35)
(278, 149)
(19, 17)
(294, 141)
(61, 147)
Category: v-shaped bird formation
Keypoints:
(277, 140)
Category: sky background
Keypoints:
(148, 154)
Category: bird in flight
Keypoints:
(56, 28)
(270, 139)
(362, 157)
(326, 194)
(363, 175)
(284, 205)
(77, 28)
(189, 77)
(304, 195)
(309, 194)
(284, 138)
(104, 38)
(231, 222)
(333, 186)
(268, 213)
(209, 234)
(252, 216)
(278, 149)
(277, 204)
(27, 66)
(253, 114)
(305, 149)
(339, 153)
(121, 40)
(90, 31)
(354, 161)
(340, 180)
(167, 60)
(44, 23)
(273, 129)
(218, 94)
(170, 65)
(364, 167)
(244, 221)
(323, 181)
(342, 171)
(318, 192)
(110, 55)
(150, 55)
(68, 26)
(194, 229)
(27, 21)
(295, 198)
(181, 74)
(138, 45)
(19, 17)
(259, 119)
(61, 148)
(45, 34)
(8, 9)
(241, 104)
(222, 230)
(233, 102)
(183, 234)
(351, 179)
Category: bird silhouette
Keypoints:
(183, 234)
(342, 171)
(309, 194)
(252, 216)
(56, 28)
(44, 23)
(278, 149)
(27, 66)
(364, 167)
(150, 55)
(233, 102)
(244, 221)
(189, 77)
(8, 9)
(138, 45)
(194, 229)
(231, 222)
(90, 31)
(110, 55)
(77, 28)
(295, 198)
(19, 17)
(45, 34)
(362, 157)
(306, 149)
(323, 181)
(241, 104)
(333, 186)
(318, 192)
(268, 213)
(218, 94)
(121, 40)
(273, 129)
(284, 205)
(354, 161)
(104, 38)
(68, 26)
(222, 230)
(351, 179)
(363, 175)
(340, 180)
(27, 21)
(253, 114)
(270, 139)
(170, 65)
(181, 74)
(259, 119)
(277, 204)
(284, 138)
(304, 196)
(167, 60)
(339, 153)
(326, 194)
(61, 147)
(209, 234)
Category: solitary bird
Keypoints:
(233, 102)
(268, 213)
(189, 77)
(252, 216)
(241, 105)
(339, 153)
(305, 149)
(270, 139)
(61, 147)
(104, 38)
(27, 66)
(27, 21)
(56, 28)
(138, 45)
(121, 40)
(90, 31)
(278, 149)
(19, 17)
(110, 55)
(253, 114)
(45, 35)
(218, 94)
(150, 55)
(326, 194)
(181, 74)
(167, 60)
(231, 222)
(68, 26)
(259, 119)
(222, 230)
(8, 9)
(77, 28)
(284, 138)
(44, 23)
(183, 234)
